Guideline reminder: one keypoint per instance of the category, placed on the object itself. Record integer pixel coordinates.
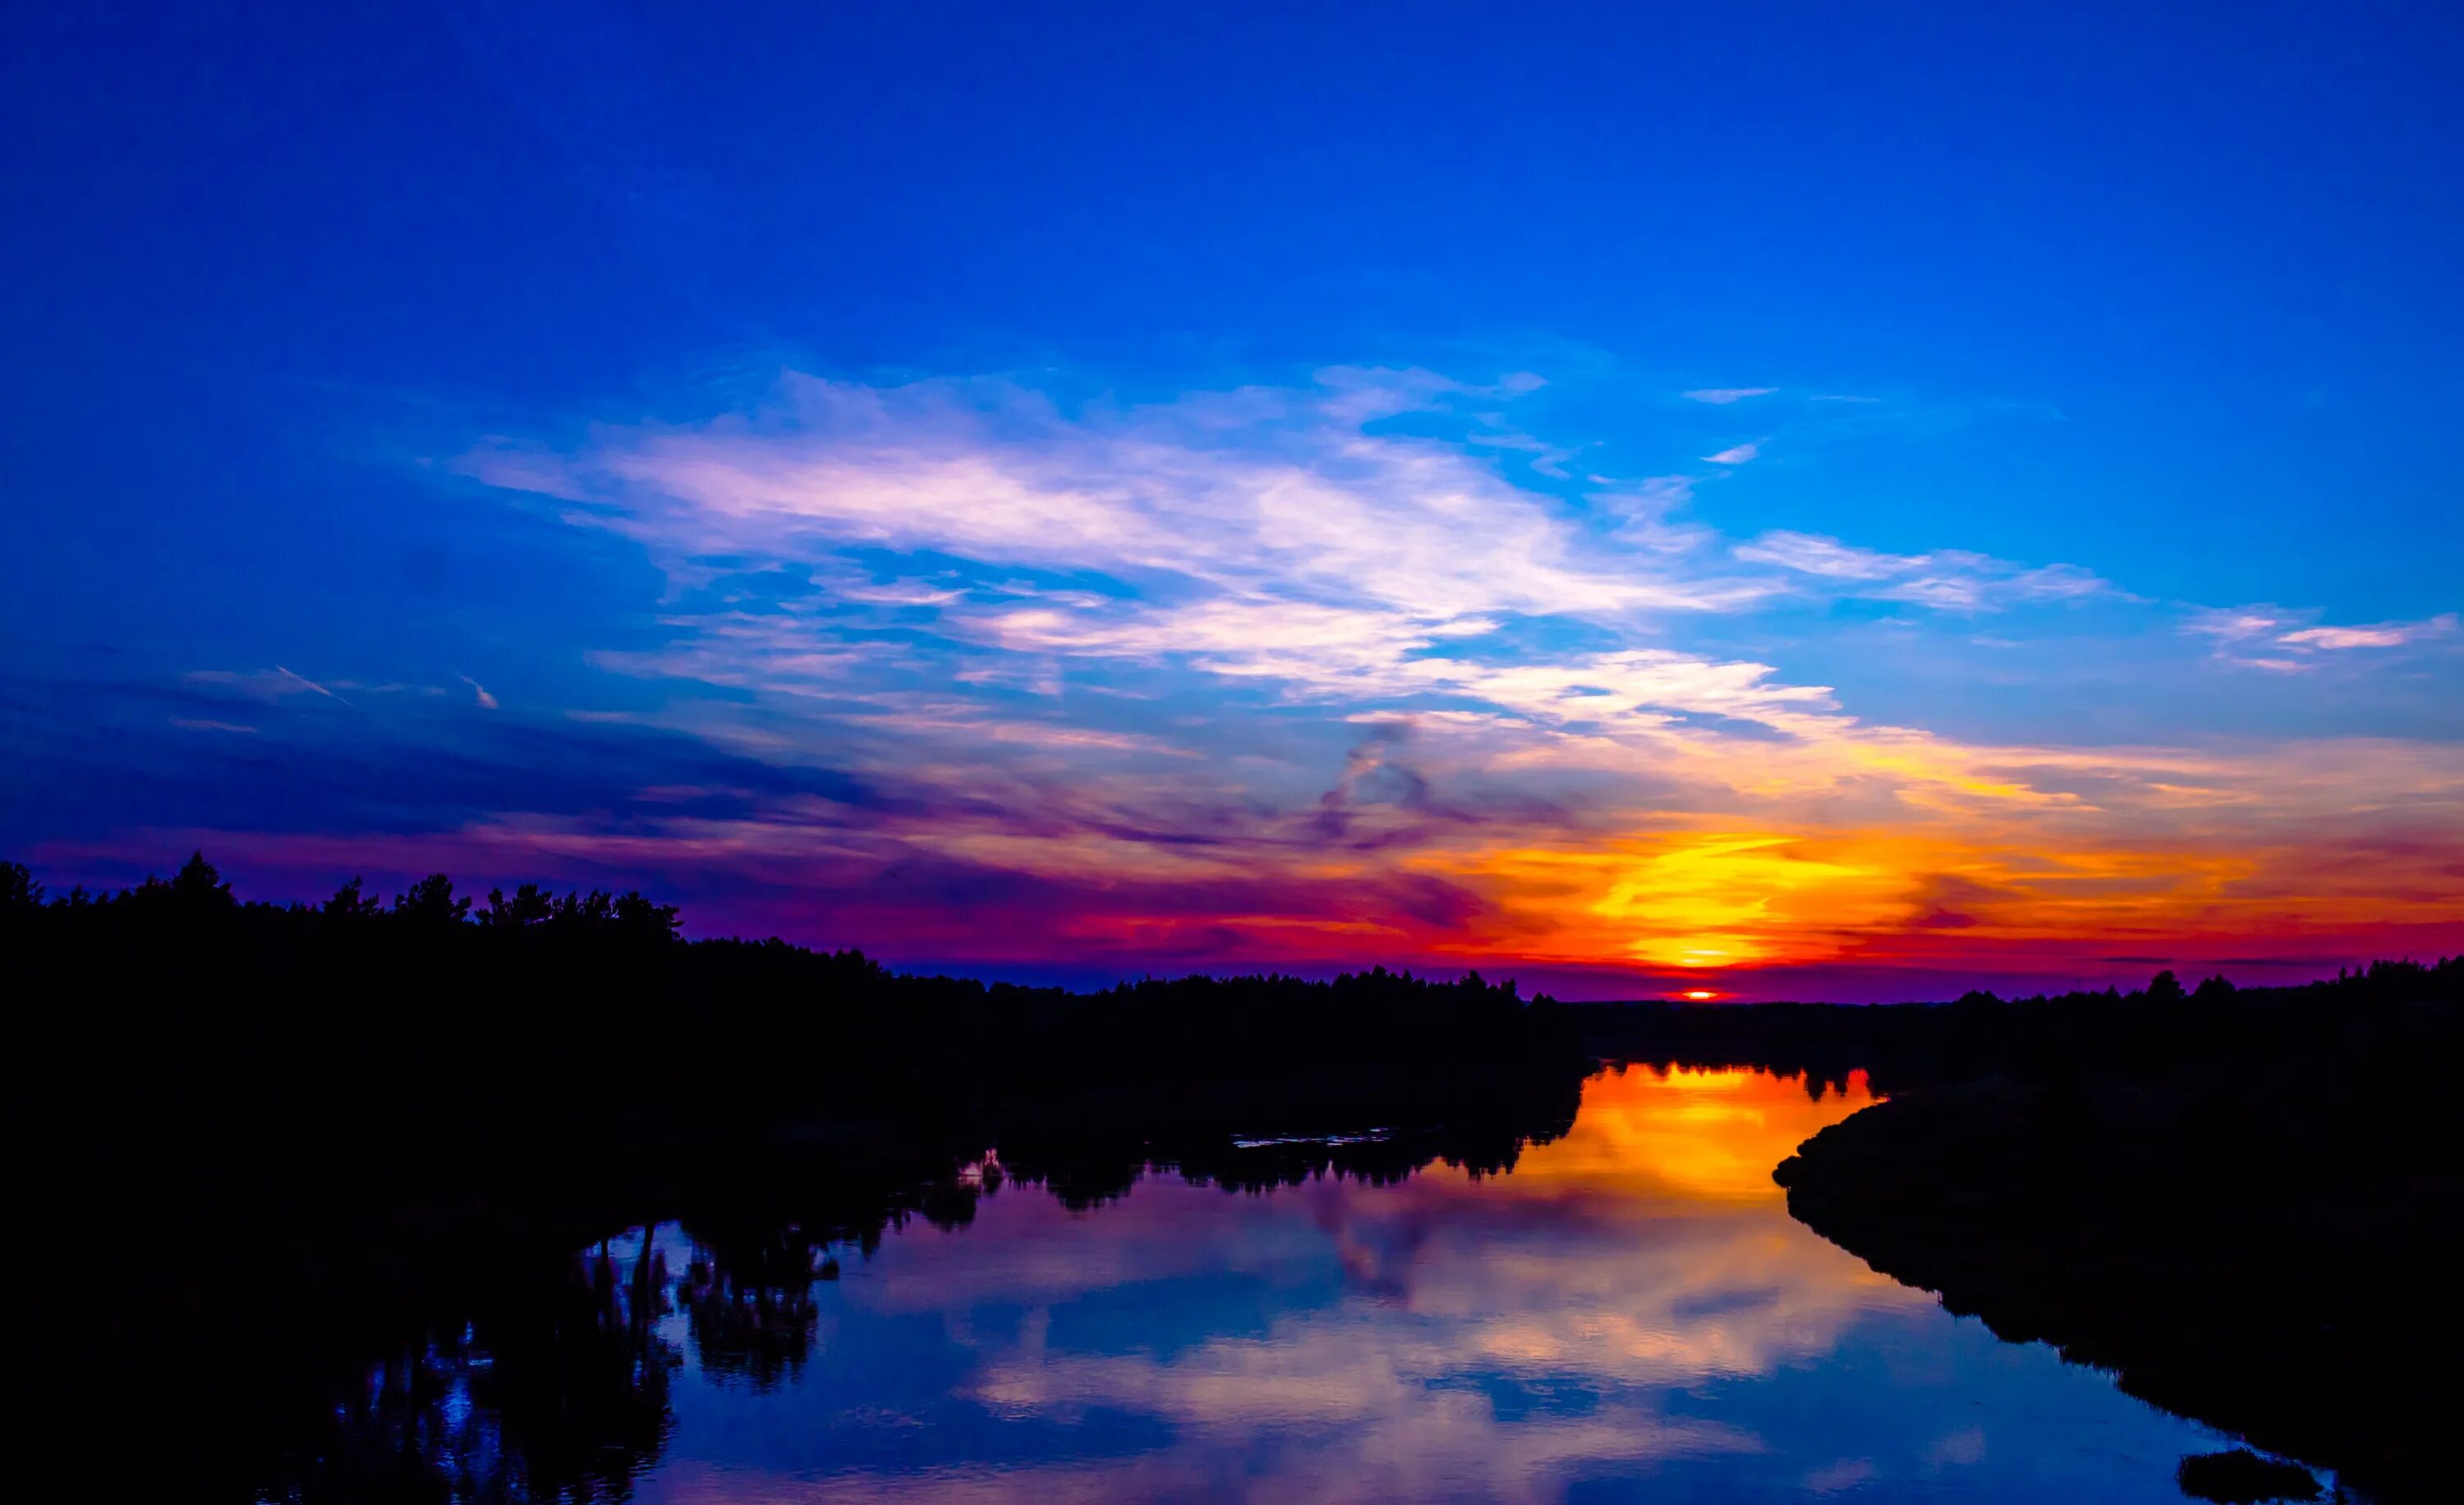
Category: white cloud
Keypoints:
(2234, 624)
(2238, 630)
(1949, 579)
(1265, 493)
(1723, 396)
(1735, 454)
(2333, 637)
(1071, 627)
(1810, 554)
(2383, 634)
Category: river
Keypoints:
(1628, 1312)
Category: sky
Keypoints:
(1758, 501)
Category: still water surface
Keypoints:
(1630, 1313)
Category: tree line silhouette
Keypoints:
(298, 1135)
(2387, 1017)
(301, 1137)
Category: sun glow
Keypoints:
(1703, 901)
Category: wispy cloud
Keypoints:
(2383, 634)
(2235, 624)
(1813, 555)
(1107, 671)
(1735, 454)
(1275, 494)
(1950, 580)
(1723, 397)
(2288, 641)
(276, 683)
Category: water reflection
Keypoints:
(1627, 1312)
(554, 1392)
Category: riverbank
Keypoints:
(2263, 1235)
(327, 1311)
(281, 1144)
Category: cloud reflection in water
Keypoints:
(1630, 1312)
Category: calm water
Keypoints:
(1629, 1314)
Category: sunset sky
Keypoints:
(1757, 500)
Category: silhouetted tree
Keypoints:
(349, 903)
(589, 911)
(639, 917)
(430, 901)
(528, 906)
(197, 886)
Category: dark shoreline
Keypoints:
(282, 1145)
(2245, 1203)
(2266, 1241)
(300, 1305)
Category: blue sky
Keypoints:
(1996, 365)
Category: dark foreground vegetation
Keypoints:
(274, 1156)
(303, 1185)
(2247, 1205)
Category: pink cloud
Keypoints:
(2384, 634)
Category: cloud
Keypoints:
(2336, 637)
(965, 672)
(1546, 459)
(2235, 624)
(2384, 634)
(2276, 639)
(265, 684)
(1972, 583)
(1735, 454)
(1277, 494)
(1950, 580)
(1124, 651)
(1723, 396)
(1813, 555)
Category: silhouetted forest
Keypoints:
(2247, 1205)
(294, 1136)
(2368, 1021)
(330, 1164)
